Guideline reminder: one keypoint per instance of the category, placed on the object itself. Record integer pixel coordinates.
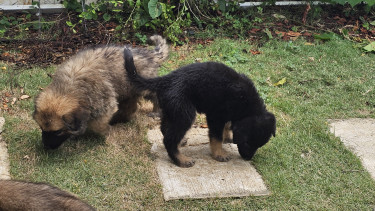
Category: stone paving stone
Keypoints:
(358, 135)
(208, 178)
(4, 161)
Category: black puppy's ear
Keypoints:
(76, 121)
(270, 118)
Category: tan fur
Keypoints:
(218, 153)
(227, 133)
(92, 89)
(55, 106)
(22, 196)
(185, 161)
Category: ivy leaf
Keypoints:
(268, 32)
(69, 24)
(325, 36)
(281, 82)
(370, 47)
(351, 2)
(222, 5)
(154, 8)
(107, 17)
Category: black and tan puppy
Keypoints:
(219, 92)
(20, 195)
(90, 90)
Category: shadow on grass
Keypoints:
(71, 149)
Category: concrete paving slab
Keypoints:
(2, 122)
(4, 161)
(208, 178)
(358, 135)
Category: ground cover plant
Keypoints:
(27, 39)
(305, 167)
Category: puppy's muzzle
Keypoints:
(246, 151)
(53, 139)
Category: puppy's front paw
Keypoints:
(222, 157)
(187, 164)
(184, 161)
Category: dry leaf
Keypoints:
(254, 30)
(255, 52)
(13, 101)
(281, 82)
(5, 54)
(307, 34)
(268, 80)
(294, 34)
(23, 97)
(281, 33)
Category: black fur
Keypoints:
(216, 90)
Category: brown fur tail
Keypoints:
(20, 195)
(161, 48)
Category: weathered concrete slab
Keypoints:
(2, 122)
(358, 135)
(207, 178)
(4, 161)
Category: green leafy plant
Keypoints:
(268, 32)
(4, 25)
(21, 22)
(168, 17)
(326, 36)
(354, 2)
(370, 47)
(141, 37)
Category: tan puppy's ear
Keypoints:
(76, 121)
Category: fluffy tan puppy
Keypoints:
(91, 90)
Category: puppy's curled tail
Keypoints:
(138, 81)
(161, 47)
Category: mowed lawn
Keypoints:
(304, 166)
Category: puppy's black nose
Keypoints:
(247, 152)
(50, 147)
(52, 140)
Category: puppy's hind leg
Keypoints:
(101, 124)
(174, 130)
(227, 134)
(126, 109)
(216, 128)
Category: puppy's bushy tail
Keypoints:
(161, 48)
(138, 81)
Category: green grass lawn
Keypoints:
(304, 166)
